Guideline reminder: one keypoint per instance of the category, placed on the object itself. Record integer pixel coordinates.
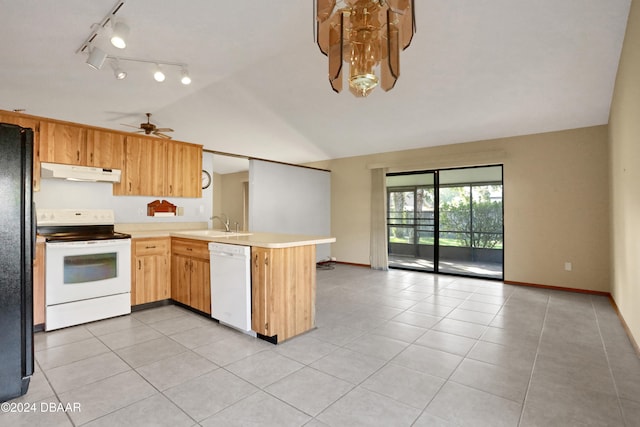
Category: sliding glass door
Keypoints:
(411, 220)
(447, 221)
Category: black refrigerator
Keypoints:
(17, 249)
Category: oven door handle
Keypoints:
(91, 243)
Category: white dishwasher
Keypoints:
(231, 285)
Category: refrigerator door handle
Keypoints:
(33, 231)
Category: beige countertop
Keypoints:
(258, 239)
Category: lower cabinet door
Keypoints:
(200, 285)
(260, 291)
(180, 278)
(151, 279)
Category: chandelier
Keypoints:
(368, 36)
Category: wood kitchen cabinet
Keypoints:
(78, 145)
(144, 168)
(190, 273)
(283, 287)
(62, 143)
(104, 149)
(38, 285)
(151, 270)
(184, 166)
(34, 124)
(155, 167)
(150, 166)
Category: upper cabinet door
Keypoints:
(145, 166)
(62, 143)
(184, 170)
(33, 124)
(105, 149)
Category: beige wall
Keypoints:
(216, 182)
(624, 139)
(556, 202)
(228, 197)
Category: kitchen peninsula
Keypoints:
(283, 275)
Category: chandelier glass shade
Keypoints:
(368, 36)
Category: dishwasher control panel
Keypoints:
(226, 248)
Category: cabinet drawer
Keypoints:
(144, 247)
(190, 248)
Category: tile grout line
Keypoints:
(137, 373)
(55, 393)
(133, 369)
(606, 355)
(386, 363)
(535, 360)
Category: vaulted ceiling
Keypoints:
(475, 70)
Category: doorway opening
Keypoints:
(447, 221)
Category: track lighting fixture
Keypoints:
(118, 72)
(96, 57)
(119, 34)
(158, 71)
(158, 75)
(98, 28)
(185, 79)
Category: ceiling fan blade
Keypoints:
(164, 130)
(120, 115)
(131, 126)
(161, 135)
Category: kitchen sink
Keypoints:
(213, 233)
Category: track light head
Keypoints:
(158, 75)
(119, 34)
(185, 79)
(96, 58)
(118, 72)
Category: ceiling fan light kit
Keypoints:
(368, 36)
(119, 33)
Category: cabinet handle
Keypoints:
(150, 247)
(189, 249)
(91, 157)
(78, 156)
(139, 265)
(129, 187)
(266, 260)
(170, 189)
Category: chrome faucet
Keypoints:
(224, 221)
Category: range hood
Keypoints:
(79, 173)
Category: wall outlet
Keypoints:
(567, 266)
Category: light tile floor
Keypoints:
(393, 348)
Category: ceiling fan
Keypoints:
(150, 129)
